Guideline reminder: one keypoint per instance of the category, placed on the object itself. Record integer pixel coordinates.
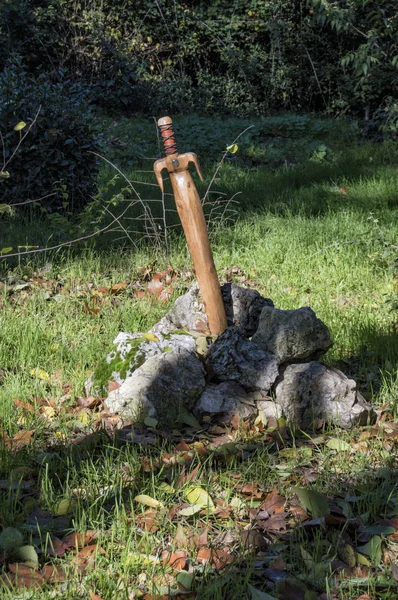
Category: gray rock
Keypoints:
(270, 409)
(227, 398)
(188, 312)
(163, 386)
(130, 351)
(312, 392)
(292, 334)
(242, 307)
(235, 358)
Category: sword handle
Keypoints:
(165, 125)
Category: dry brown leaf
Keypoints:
(155, 287)
(203, 556)
(202, 326)
(201, 539)
(94, 596)
(186, 477)
(20, 569)
(113, 385)
(273, 503)
(183, 446)
(90, 309)
(166, 294)
(253, 539)
(278, 563)
(26, 406)
(53, 573)
(79, 540)
(20, 440)
(148, 521)
(89, 402)
(91, 550)
(299, 514)
(250, 489)
(181, 539)
(176, 560)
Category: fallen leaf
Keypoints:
(26, 406)
(40, 374)
(91, 550)
(204, 555)
(89, 402)
(338, 444)
(148, 501)
(155, 287)
(185, 478)
(94, 596)
(273, 502)
(199, 496)
(20, 440)
(189, 511)
(53, 573)
(176, 560)
(79, 540)
(113, 385)
(117, 288)
(372, 549)
(313, 501)
(65, 506)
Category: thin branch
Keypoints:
(80, 239)
(20, 142)
(316, 77)
(221, 163)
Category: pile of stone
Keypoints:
(267, 360)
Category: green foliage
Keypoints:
(54, 159)
(368, 33)
(241, 57)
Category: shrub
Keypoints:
(54, 158)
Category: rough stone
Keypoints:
(312, 392)
(130, 351)
(235, 358)
(270, 409)
(292, 335)
(227, 398)
(242, 307)
(160, 388)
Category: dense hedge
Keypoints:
(53, 162)
(236, 56)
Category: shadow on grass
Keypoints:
(363, 179)
(374, 364)
(344, 549)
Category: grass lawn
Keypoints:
(98, 510)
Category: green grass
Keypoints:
(320, 234)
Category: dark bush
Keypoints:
(55, 157)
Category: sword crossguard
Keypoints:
(175, 163)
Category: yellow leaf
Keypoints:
(190, 510)
(148, 501)
(19, 126)
(40, 374)
(199, 496)
(48, 412)
(65, 506)
(233, 148)
(83, 417)
(151, 337)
